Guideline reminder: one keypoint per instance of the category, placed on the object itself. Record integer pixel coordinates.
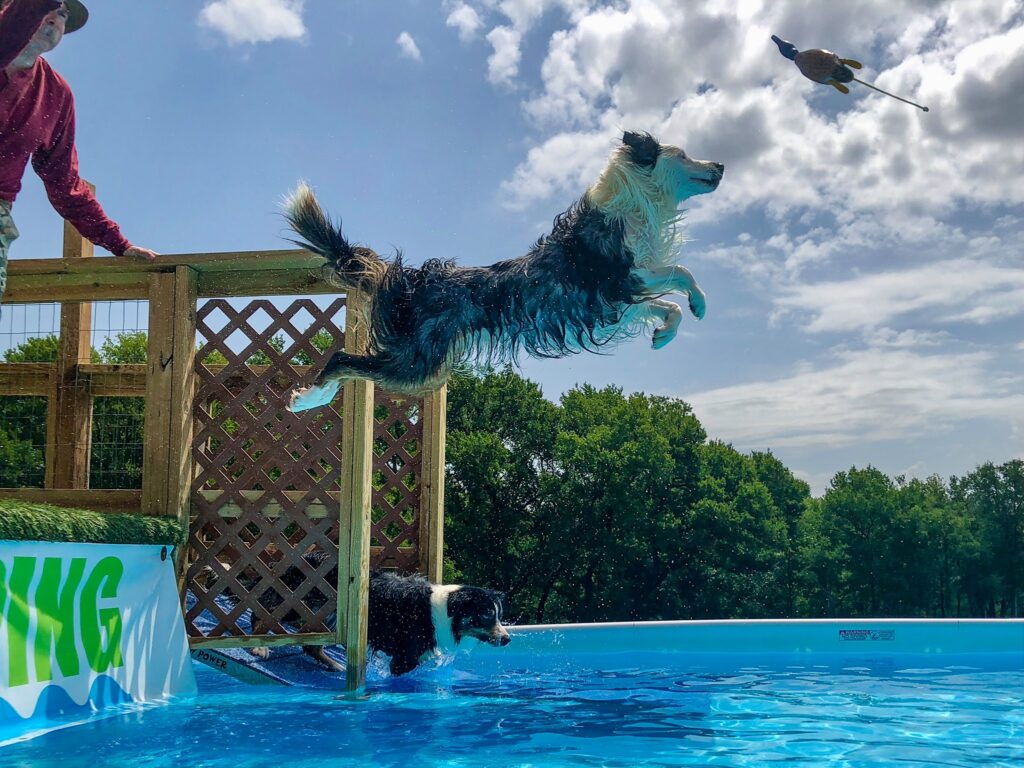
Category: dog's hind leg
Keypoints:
(340, 367)
(670, 315)
(677, 279)
(314, 397)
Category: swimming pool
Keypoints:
(662, 694)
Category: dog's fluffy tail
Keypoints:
(353, 267)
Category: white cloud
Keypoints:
(955, 291)
(708, 76)
(408, 47)
(866, 395)
(503, 64)
(466, 20)
(254, 21)
(918, 470)
(506, 38)
(909, 339)
(523, 13)
(819, 481)
(567, 161)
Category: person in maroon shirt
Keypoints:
(37, 122)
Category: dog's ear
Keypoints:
(643, 148)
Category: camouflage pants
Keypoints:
(8, 234)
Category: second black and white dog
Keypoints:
(409, 619)
(598, 277)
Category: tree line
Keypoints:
(613, 507)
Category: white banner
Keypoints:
(83, 628)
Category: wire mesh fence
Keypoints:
(30, 342)
(28, 334)
(117, 442)
(27, 331)
(22, 442)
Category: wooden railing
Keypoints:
(173, 285)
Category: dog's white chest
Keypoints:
(446, 642)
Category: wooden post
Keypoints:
(180, 468)
(431, 550)
(159, 383)
(170, 385)
(354, 532)
(69, 411)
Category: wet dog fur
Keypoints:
(598, 277)
(409, 619)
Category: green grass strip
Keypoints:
(22, 521)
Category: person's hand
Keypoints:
(144, 254)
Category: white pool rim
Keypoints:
(772, 636)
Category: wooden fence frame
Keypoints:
(172, 285)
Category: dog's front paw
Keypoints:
(665, 333)
(698, 303)
(663, 336)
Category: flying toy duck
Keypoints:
(827, 68)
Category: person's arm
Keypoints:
(19, 20)
(57, 166)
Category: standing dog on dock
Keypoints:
(597, 278)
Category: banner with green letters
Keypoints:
(86, 629)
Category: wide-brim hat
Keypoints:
(78, 14)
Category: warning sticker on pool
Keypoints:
(866, 634)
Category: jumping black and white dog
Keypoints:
(409, 619)
(598, 277)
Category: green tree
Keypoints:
(859, 508)
(820, 558)
(127, 348)
(737, 541)
(994, 500)
(790, 496)
(913, 570)
(615, 491)
(501, 434)
(36, 349)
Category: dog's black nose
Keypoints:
(719, 168)
(505, 640)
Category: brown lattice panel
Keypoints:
(265, 491)
(395, 503)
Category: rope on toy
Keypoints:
(900, 98)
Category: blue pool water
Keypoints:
(608, 709)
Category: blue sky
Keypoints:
(862, 259)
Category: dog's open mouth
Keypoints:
(712, 182)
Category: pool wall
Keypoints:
(847, 637)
